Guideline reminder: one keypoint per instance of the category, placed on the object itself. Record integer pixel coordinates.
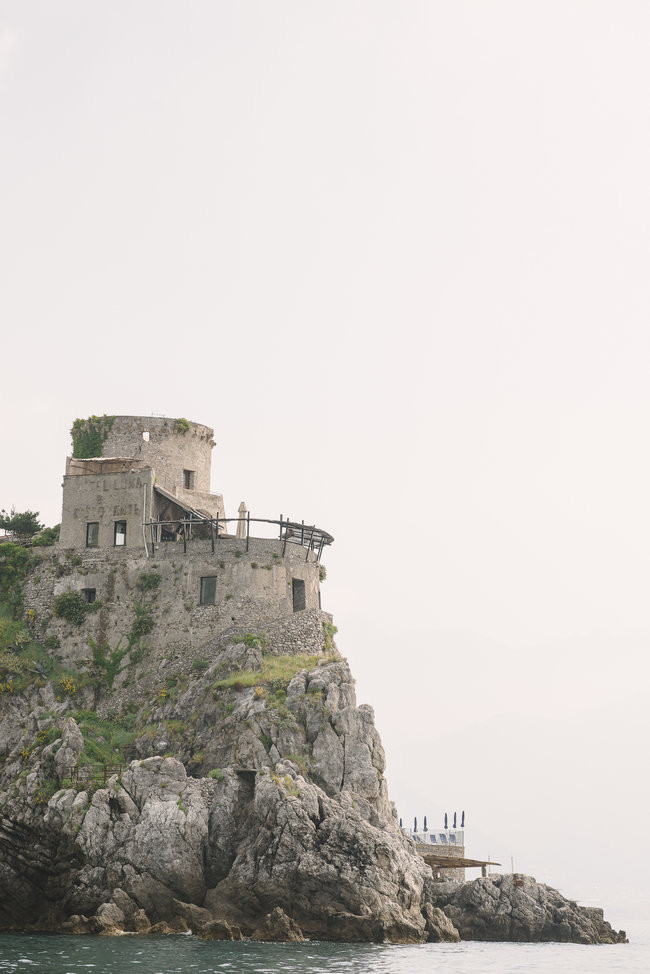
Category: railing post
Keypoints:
(280, 527)
(212, 533)
(248, 527)
(217, 528)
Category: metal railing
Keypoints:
(96, 772)
(213, 529)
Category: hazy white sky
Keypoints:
(397, 255)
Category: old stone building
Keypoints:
(150, 468)
(140, 508)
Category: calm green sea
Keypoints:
(53, 954)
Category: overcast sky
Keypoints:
(397, 255)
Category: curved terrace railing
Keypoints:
(214, 529)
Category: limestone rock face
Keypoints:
(316, 857)
(271, 819)
(517, 908)
(440, 929)
(72, 745)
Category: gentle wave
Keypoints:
(52, 954)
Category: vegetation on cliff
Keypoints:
(237, 790)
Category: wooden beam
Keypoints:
(456, 862)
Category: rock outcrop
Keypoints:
(252, 802)
(517, 908)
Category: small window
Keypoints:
(120, 534)
(90, 594)
(188, 479)
(298, 592)
(208, 590)
(92, 534)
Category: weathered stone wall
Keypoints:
(105, 498)
(450, 852)
(253, 594)
(160, 459)
(167, 451)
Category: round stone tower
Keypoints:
(179, 451)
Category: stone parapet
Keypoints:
(253, 591)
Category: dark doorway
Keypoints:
(298, 592)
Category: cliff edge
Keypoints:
(232, 790)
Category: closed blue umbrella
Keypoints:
(425, 824)
(400, 824)
(462, 820)
(415, 824)
(454, 819)
(446, 826)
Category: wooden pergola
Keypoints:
(458, 862)
(307, 536)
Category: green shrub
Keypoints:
(136, 655)
(24, 524)
(181, 425)
(200, 664)
(216, 773)
(251, 640)
(45, 791)
(15, 563)
(148, 581)
(13, 636)
(106, 662)
(71, 606)
(322, 573)
(52, 642)
(47, 537)
(88, 436)
(330, 631)
(143, 623)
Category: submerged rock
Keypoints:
(277, 927)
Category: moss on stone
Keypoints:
(88, 436)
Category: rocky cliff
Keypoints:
(238, 793)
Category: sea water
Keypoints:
(53, 954)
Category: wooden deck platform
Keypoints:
(456, 862)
